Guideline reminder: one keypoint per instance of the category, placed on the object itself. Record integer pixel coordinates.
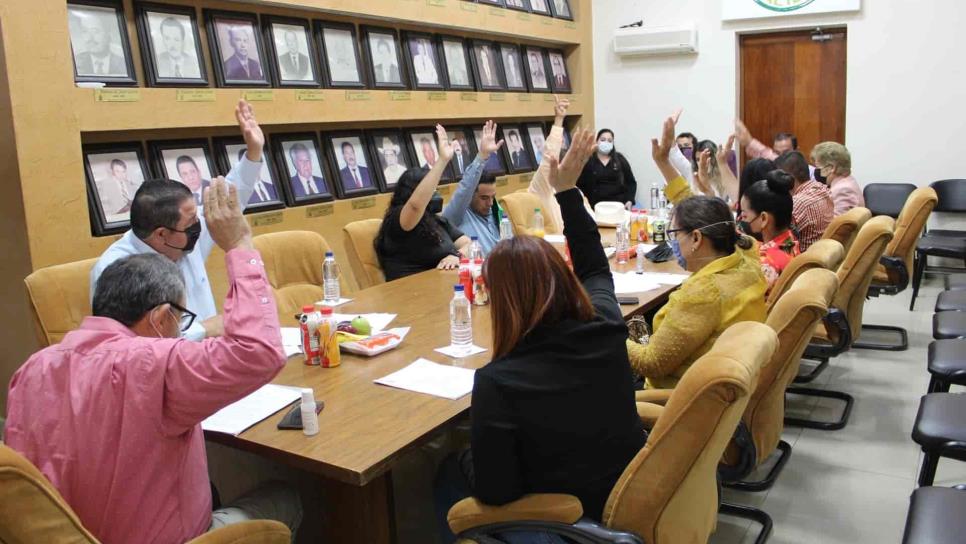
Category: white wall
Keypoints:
(906, 83)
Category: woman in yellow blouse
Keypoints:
(726, 285)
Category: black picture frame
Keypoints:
(159, 149)
(157, 72)
(368, 32)
(485, 83)
(125, 60)
(496, 164)
(541, 7)
(419, 157)
(535, 84)
(562, 9)
(321, 27)
(499, 3)
(467, 144)
(232, 76)
(470, 83)
(518, 83)
(518, 5)
(227, 150)
(283, 153)
(379, 140)
(526, 163)
(536, 145)
(281, 67)
(366, 176)
(567, 86)
(409, 40)
(105, 222)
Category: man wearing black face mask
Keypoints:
(166, 220)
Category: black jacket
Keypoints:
(557, 414)
(612, 183)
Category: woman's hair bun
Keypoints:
(780, 181)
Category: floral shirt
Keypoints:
(776, 254)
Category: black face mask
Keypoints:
(819, 177)
(745, 227)
(435, 204)
(192, 233)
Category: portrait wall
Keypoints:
(392, 154)
(301, 168)
(185, 161)
(559, 76)
(292, 49)
(513, 67)
(99, 42)
(238, 57)
(487, 66)
(423, 60)
(455, 57)
(340, 54)
(170, 45)
(537, 139)
(114, 174)
(383, 58)
(353, 170)
(519, 158)
(536, 69)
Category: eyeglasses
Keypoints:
(187, 316)
(673, 232)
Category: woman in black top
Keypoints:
(607, 176)
(413, 236)
(554, 412)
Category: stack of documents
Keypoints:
(240, 415)
(423, 376)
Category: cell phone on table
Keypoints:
(293, 419)
(628, 300)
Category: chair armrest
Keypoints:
(649, 413)
(653, 396)
(897, 266)
(470, 512)
(260, 531)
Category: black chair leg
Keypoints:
(901, 345)
(754, 514)
(928, 471)
(785, 451)
(920, 268)
(840, 423)
(937, 385)
(814, 372)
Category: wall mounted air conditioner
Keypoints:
(662, 40)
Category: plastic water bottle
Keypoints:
(476, 250)
(506, 227)
(641, 250)
(310, 419)
(538, 229)
(662, 201)
(655, 197)
(623, 244)
(460, 319)
(330, 278)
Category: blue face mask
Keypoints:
(676, 248)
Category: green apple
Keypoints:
(362, 325)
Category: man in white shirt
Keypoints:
(173, 62)
(97, 59)
(423, 64)
(164, 222)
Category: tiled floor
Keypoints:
(853, 485)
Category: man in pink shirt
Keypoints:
(833, 166)
(112, 415)
(783, 143)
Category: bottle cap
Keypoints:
(464, 260)
(327, 310)
(308, 396)
(307, 309)
(536, 209)
(458, 289)
(329, 254)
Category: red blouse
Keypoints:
(776, 254)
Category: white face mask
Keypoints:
(605, 147)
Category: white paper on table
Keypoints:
(647, 247)
(339, 302)
(291, 340)
(460, 351)
(242, 414)
(378, 322)
(423, 376)
(665, 278)
(626, 283)
(555, 238)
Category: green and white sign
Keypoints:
(733, 10)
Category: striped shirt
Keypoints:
(812, 211)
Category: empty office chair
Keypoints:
(948, 325)
(519, 207)
(826, 254)
(32, 511)
(845, 227)
(892, 273)
(887, 198)
(952, 200)
(293, 264)
(360, 237)
(946, 364)
(951, 301)
(940, 431)
(936, 516)
(668, 493)
(950, 244)
(60, 298)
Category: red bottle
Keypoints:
(466, 278)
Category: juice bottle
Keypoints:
(635, 224)
(328, 342)
(538, 229)
(309, 327)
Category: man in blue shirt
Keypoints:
(473, 208)
(165, 220)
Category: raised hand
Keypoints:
(661, 149)
(488, 143)
(560, 107)
(445, 147)
(564, 173)
(677, 115)
(704, 173)
(724, 149)
(224, 218)
(742, 133)
(251, 132)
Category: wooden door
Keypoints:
(794, 82)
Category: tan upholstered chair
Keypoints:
(293, 264)
(668, 493)
(60, 298)
(32, 511)
(826, 254)
(360, 237)
(519, 207)
(845, 227)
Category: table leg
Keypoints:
(363, 515)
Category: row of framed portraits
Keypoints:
(249, 50)
(300, 168)
(551, 8)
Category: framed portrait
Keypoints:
(536, 69)
(185, 161)
(464, 149)
(170, 45)
(496, 164)
(237, 54)
(518, 156)
(561, 9)
(301, 168)
(455, 58)
(383, 58)
(267, 193)
(513, 67)
(559, 76)
(537, 138)
(292, 49)
(422, 144)
(352, 168)
(391, 155)
(114, 174)
(425, 69)
(340, 56)
(99, 42)
(519, 5)
(487, 66)
(541, 7)
(500, 3)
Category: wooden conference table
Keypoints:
(366, 427)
